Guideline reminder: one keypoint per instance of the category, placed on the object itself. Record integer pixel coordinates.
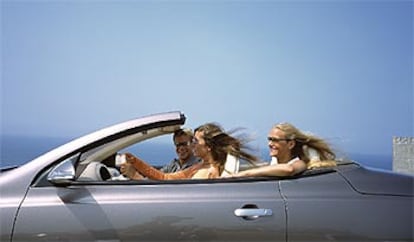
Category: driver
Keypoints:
(185, 157)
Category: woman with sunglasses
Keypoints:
(292, 152)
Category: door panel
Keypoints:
(161, 212)
(326, 208)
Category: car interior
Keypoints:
(97, 164)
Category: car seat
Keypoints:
(231, 166)
(95, 171)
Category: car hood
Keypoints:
(378, 182)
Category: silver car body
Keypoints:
(45, 199)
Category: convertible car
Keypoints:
(75, 193)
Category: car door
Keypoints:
(206, 210)
(325, 207)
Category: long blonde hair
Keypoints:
(302, 139)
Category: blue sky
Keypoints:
(340, 69)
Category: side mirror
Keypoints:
(62, 174)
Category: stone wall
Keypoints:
(403, 155)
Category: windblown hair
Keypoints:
(222, 143)
(302, 139)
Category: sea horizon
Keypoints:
(20, 149)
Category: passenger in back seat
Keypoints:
(294, 151)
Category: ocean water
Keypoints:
(17, 150)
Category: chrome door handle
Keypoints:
(253, 212)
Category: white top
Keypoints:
(274, 160)
(310, 152)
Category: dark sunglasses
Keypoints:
(276, 140)
(182, 144)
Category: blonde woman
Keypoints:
(294, 151)
(210, 143)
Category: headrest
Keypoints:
(231, 166)
(312, 154)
